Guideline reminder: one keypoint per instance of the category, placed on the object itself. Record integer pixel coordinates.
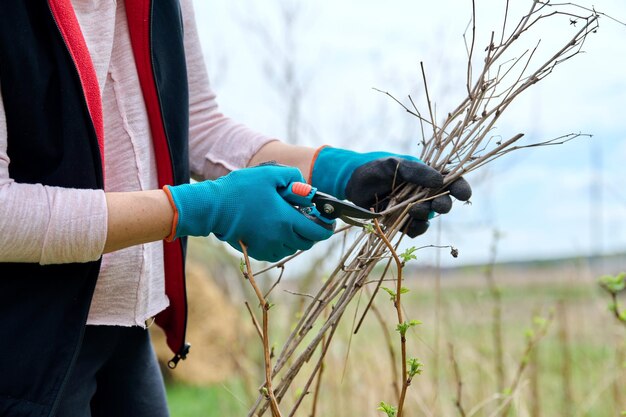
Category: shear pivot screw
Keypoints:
(328, 208)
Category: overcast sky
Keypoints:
(540, 199)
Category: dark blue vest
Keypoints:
(52, 141)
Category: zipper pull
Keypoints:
(182, 354)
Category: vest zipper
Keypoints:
(182, 354)
(184, 348)
(81, 334)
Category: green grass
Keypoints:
(206, 401)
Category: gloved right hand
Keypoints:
(246, 205)
(367, 179)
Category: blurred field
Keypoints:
(578, 369)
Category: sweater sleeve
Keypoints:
(217, 144)
(47, 225)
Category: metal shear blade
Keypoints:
(333, 208)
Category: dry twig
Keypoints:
(406, 381)
(265, 306)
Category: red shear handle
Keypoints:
(299, 194)
(301, 188)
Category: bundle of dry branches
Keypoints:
(463, 142)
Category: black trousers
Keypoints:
(116, 375)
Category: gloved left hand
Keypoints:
(246, 205)
(368, 179)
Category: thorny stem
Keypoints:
(433, 122)
(371, 300)
(255, 322)
(392, 353)
(398, 304)
(506, 15)
(318, 383)
(316, 371)
(411, 112)
(471, 50)
(280, 276)
(265, 334)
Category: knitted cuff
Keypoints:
(172, 236)
(317, 152)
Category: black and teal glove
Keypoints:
(368, 179)
(246, 205)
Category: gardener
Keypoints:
(106, 110)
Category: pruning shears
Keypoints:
(324, 208)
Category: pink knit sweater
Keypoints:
(51, 225)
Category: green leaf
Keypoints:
(403, 327)
(415, 367)
(613, 283)
(408, 254)
(392, 293)
(368, 228)
(242, 265)
(390, 410)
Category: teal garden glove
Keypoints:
(367, 179)
(246, 205)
